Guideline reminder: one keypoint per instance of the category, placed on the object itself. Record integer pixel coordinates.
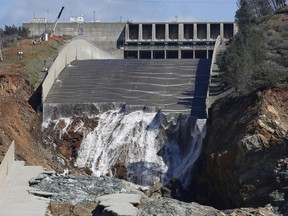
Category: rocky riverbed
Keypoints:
(76, 195)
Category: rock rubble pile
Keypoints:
(80, 195)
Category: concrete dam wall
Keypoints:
(171, 73)
(189, 40)
(77, 49)
(105, 35)
(171, 85)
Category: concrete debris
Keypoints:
(41, 193)
(119, 204)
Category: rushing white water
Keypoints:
(124, 139)
(181, 162)
(138, 142)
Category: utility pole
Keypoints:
(94, 16)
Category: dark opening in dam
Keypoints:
(215, 30)
(145, 54)
(147, 31)
(188, 31)
(160, 31)
(172, 54)
(228, 31)
(158, 54)
(202, 31)
(173, 31)
(187, 54)
(133, 32)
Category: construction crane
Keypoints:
(57, 20)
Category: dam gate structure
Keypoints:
(174, 40)
(145, 40)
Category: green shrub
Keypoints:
(257, 56)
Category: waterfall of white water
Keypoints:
(181, 159)
(184, 170)
(138, 142)
(124, 139)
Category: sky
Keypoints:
(15, 12)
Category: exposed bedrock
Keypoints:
(245, 157)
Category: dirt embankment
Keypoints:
(19, 122)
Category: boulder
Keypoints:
(155, 189)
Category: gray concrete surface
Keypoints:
(119, 204)
(77, 49)
(211, 88)
(172, 84)
(15, 199)
(6, 163)
(217, 87)
(106, 35)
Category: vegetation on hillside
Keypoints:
(9, 33)
(36, 56)
(13, 30)
(257, 57)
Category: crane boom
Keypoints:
(57, 20)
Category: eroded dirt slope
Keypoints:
(19, 122)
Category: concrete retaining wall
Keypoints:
(7, 162)
(78, 49)
(213, 61)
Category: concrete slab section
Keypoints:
(15, 199)
(119, 204)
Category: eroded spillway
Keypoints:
(172, 85)
(130, 118)
(142, 147)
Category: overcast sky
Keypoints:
(18, 11)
